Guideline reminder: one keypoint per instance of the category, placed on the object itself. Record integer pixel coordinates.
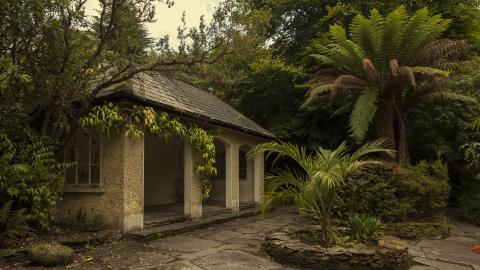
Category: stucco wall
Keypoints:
(162, 169)
(117, 201)
(237, 190)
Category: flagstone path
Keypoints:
(235, 245)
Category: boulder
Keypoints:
(51, 255)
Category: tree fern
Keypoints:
(363, 113)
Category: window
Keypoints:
(242, 165)
(83, 151)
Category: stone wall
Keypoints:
(119, 200)
(284, 247)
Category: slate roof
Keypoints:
(186, 100)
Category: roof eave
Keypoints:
(125, 94)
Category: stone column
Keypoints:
(133, 173)
(258, 178)
(232, 196)
(192, 186)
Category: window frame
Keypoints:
(75, 186)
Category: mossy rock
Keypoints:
(51, 255)
(417, 230)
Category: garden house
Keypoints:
(130, 182)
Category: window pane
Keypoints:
(82, 146)
(70, 175)
(83, 174)
(95, 174)
(95, 146)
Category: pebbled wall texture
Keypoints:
(120, 197)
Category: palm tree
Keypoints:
(387, 65)
(314, 187)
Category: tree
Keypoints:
(314, 188)
(295, 23)
(387, 66)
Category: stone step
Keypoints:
(165, 221)
(189, 225)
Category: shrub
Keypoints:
(12, 223)
(417, 192)
(30, 176)
(468, 207)
(364, 229)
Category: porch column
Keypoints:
(258, 178)
(232, 183)
(133, 176)
(192, 186)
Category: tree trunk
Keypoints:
(402, 142)
(384, 125)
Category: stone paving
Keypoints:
(235, 245)
(451, 253)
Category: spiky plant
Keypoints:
(386, 64)
(314, 187)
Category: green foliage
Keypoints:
(13, 223)
(133, 119)
(31, 177)
(397, 195)
(88, 221)
(387, 69)
(364, 229)
(315, 187)
(468, 207)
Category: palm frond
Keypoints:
(376, 146)
(363, 113)
(282, 149)
(475, 124)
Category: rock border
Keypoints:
(284, 247)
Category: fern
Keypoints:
(363, 113)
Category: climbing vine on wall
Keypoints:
(134, 118)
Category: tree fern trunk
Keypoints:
(402, 142)
(384, 126)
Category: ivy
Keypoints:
(135, 119)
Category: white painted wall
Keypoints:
(218, 191)
(246, 184)
(162, 169)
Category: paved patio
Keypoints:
(235, 245)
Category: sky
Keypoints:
(168, 19)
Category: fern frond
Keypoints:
(406, 73)
(441, 49)
(317, 91)
(349, 81)
(363, 113)
(368, 33)
(430, 71)
(393, 65)
(394, 28)
(372, 73)
(447, 96)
